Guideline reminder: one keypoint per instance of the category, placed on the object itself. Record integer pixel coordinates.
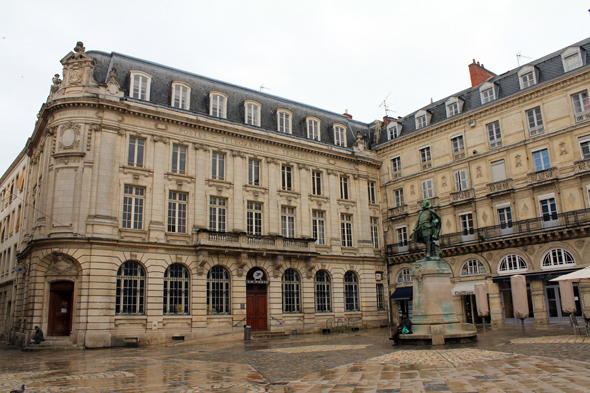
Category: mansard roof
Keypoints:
(550, 67)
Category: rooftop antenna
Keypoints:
(519, 56)
(384, 105)
(264, 88)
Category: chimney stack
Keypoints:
(479, 74)
(347, 114)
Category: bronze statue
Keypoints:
(427, 229)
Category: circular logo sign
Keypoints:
(258, 274)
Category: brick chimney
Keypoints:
(479, 74)
(347, 114)
(387, 119)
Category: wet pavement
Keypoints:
(544, 360)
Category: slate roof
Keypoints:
(161, 91)
(550, 67)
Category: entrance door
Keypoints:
(553, 298)
(256, 313)
(60, 308)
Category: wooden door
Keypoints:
(60, 308)
(256, 306)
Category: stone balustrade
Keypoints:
(541, 176)
(463, 195)
(499, 186)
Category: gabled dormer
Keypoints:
(394, 129)
(573, 57)
(528, 76)
(422, 118)
(488, 92)
(453, 106)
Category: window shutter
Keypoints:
(11, 226)
(3, 228)
(464, 182)
(17, 225)
(21, 180)
(498, 171)
(457, 181)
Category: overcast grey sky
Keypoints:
(333, 54)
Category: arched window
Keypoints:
(512, 264)
(351, 291)
(473, 267)
(218, 291)
(404, 277)
(291, 291)
(176, 290)
(323, 292)
(130, 297)
(556, 258)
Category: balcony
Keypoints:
(542, 176)
(462, 196)
(582, 166)
(499, 187)
(426, 165)
(398, 211)
(581, 116)
(434, 202)
(510, 234)
(246, 242)
(458, 155)
(536, 130)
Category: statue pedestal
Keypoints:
(434, 320)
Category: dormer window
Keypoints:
(313, 128)
(140, 84)
(217, 104)
(180, 95)
(422, 118)
(252, 115)
(488, 92)
(572, 58)
(394, 129)
(284, 120)
(339, 135)
(453, 106)
(528, 76)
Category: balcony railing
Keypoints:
(458, 155)
(540, 176)
(463, 195)
(295, 243)
(497, 232)
(426, 165)
(224, 238)
(582, 166)
(536, 130)
(262, 243)
(499, 186)
(581, 116)
(397, 211)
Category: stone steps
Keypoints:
(269, 334)
(53, 342)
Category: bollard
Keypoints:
(247, 329)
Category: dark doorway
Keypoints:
(60, 308)
(256, 286)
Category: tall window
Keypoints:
(585, 147)
(254, 218)
(136, 148)
(140, 86)
(288, 221)
(318, 224)
(133, 207)
(284, 122)
(488, 95)
(180, 96)
(217, 214)
(512, 263)
(253, 172)
(472, 267)
(458, 147)
(541, 160)
(346, 229)
(130, 295)
(371, 192)
(498, 170)
(339, 136)
(535, 121)
(528, 79)
(402, 236)
(427, 189)
(351, 292)
(396, 167)
(252, 114)
(425, 157)
(380, 297)
(392, 131)
(452, 109)
(467, 230)
(344, 187)
(218, 105)
(313, 129)
(176, 290)
(217, 166)
(505, 217)
(287, 177)
(218, 291)
(291, 292)
(177, 212)
(375, 232)
(581, 106)
(549, 212)
(404, 277)
(178, 159)
(323, 292)
(494, 134)
(558, 257)
(398, 197)
(316, 182)
(421, 122)
(461, 180)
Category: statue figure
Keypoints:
(56, 82)
(427, 229)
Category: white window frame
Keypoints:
(140, 94)
(340, 135)
(318, 222)
(461, 180)
(535, 122)
(511, 259)
(254, 214)
(177, 212)
(346, 229)
(395, 173)
(132, 160)
(285, 121)
(427, 192)
(252, 110)
(401, 238)
(287, 177)
(496, 142)
(393, 130)
(254, 172)
(183, 91)
(554, 257)
(466, 226)
(217, 217)
(488, 92)
(178, 165)
(549, 220)
(372, 191)
(458, 151)
(528, 76)
(404, 277)
(584, 139)
(313, 128)
(217, 104)
(217, 165)
(583, 112)
(316, 182)
(507, 226)
(375, 232)
(288, 221)
(453, 106)
(134, 207)
(538, 150)
(422, 119)
(568, 55)
(472, 267)
(398, 197)
(344, 187)
(425, 157)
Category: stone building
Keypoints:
(165, 205)
(507, 163)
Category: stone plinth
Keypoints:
(434, 308)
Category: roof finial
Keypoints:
(79, 47)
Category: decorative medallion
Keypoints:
(571, 199)
(579, 244)
(478, 171)
(412, 191)
(443, 181)
(451, 261)
(517, 160)
(562, 149)
(525, 208)
(489, 256)
(530, 250)
(448, 224)
(484, 217)
(69, 133)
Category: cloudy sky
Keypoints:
(334, 54)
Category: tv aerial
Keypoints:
(385, 105)
(519, 56)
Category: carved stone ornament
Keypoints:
(530, 250)
(443, 180)
(157, 138)
(69, 136)
(56, 82)
(113, 86)
(579, 244)
(489, 256)
(62, 266)
(451, 261)
(200, 146)
(478, 171)
(518, 160)
(562, 149)
(417, 272)
(412, 190)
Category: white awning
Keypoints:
(466, 287)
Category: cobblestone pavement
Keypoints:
(503, 360)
